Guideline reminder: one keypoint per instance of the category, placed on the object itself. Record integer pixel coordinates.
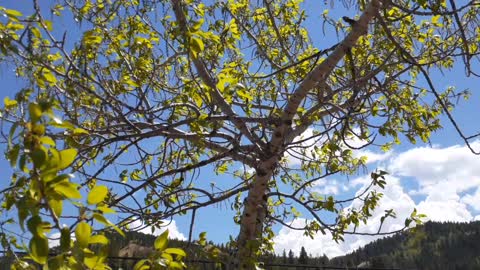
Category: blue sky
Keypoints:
(440, 179)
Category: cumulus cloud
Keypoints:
(445, 180)
(473, 200)
(308, 140)
(54, 239)
(329, 186)
(171, 226)
(454, 168)
(323, 244)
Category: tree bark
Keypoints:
(255, 209)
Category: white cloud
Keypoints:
(447, 179)
(54, 238)
(329, 186)
(288, 239)
(323, 244)
(372, 157)
(308, 140)
(454, 168)
(473, 200)
(171, 226)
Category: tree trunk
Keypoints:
(251, 226)
(254, 213)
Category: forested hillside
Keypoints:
(432, 246)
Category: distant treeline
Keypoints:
(432, 246)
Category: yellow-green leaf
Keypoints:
(78, 131)
(56, 205)
(47, 140)
(68, 190)
(49, 77)
(65, 239)
(39, 249)
(100, 218)
(178, 266)
(196, 45)
(162, 241)
(35, 112)
(83, 233)
(34, 225)
(98, 239)
(38, 157)
(48, 24)
(142, 265)
(66, 158)
(12, 12)
(92, 261)
(97, 194)
(9, 103)
(176, 251)
(106, 210)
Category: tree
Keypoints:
(291, 257)
(303, 257)
(161, 91)
(284, 257)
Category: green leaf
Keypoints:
(13, 13)
(162, 241)
(9, 103)
(23, 212)
(57, 179)
(66, 158)
(65, 239)
(422, 3)
(97, 194)
(39, 249)
(38, 157)
(91, 260)
(68, 190)
(47, 140)
(48, 24)
(136, 175)
(34, 225)
(106, 210)
(57, 263)
(35, 112)
(57, 122)
(83, 233)
(142, 265)
(176, 265)
(12, 155)
(196, 46)
(176, 251)
(100, 218)
(98, 239)
(202, 238)
(56, 205)
(11, 134)
(79, 131)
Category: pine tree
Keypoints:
(303, 258)
(284, 256)
(291, 257)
